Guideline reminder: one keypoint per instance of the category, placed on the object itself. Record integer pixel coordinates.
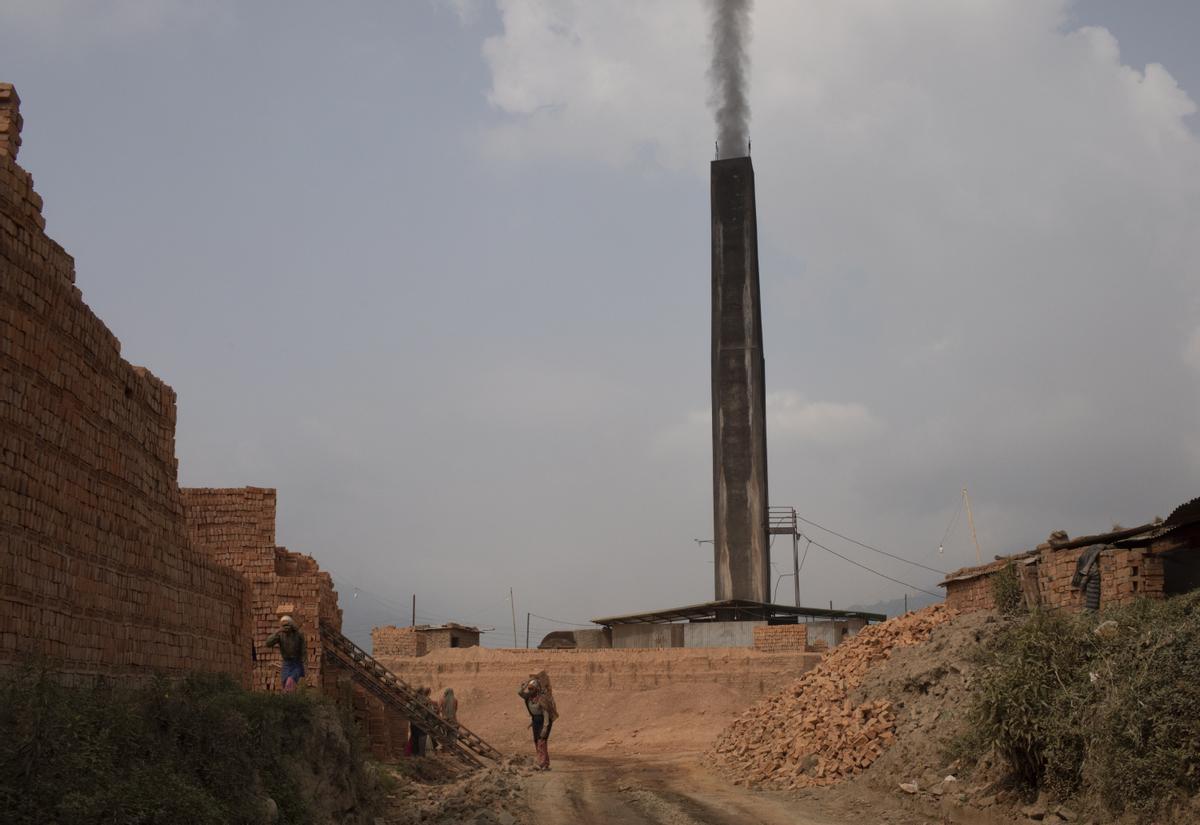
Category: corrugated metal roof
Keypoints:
(741, 608)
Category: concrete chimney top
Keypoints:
(10, 121)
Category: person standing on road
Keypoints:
(539, 701)
(293, 649)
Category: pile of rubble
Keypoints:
(438, 792)
(812, 733)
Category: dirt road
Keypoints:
(647, 790)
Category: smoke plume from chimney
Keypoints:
(728, 74)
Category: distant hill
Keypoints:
(895, 607)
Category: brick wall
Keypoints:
(970, 594)
(441, 637)
(236, 526)
(97, 576)
(10, 121)
(1055, 570)
(397, 641)
(782, 638)
(1126, 575)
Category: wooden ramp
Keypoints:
(404, 699)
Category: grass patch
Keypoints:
(201, 750)
(1113, 716)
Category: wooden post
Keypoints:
(512, 603)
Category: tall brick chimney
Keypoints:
(10, 121)
(738, 390)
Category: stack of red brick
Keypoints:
(397, 641)
(237, 527)
(783, 638)
(97, 576)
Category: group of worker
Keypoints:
(419, 741)
(535, 691)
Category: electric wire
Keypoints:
(876, 572)
(561, 621)
(869, 547)
(950, 526)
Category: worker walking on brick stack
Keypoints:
(293, 648)
(539, 701)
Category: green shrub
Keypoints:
(200, 751)
(1006, 590)
(1114, 718)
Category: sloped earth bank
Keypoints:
(929, 688)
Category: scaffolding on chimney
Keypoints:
(782, 521)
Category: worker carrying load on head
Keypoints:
(293, 648)
(539, 701)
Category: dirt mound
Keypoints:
(432, 790)
(813, 733)
(928, 686)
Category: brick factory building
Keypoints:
(1154, 561)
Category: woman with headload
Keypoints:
(539, 701)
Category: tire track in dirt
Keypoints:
(593, 790)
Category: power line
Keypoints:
(953, 521)
(560, 621)
(869, 547)
(876, 572)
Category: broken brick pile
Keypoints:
(811, 733)
(782, 638)
(236, 527)
(97, 576)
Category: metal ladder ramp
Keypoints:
(405, 699)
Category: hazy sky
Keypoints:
(439, 272)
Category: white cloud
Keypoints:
(791, 422)
(986, 218)
(824, 423)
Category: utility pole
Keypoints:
(971, 521)
(513, 605)
(414, 623)
(796, 564)
(527, 631)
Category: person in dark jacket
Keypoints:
(292, 647)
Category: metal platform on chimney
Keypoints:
(738, 610)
